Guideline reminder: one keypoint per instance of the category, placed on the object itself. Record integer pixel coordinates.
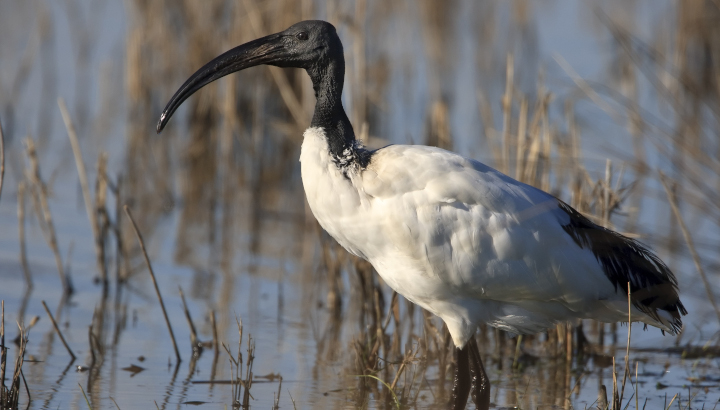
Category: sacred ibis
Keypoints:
(452, 235)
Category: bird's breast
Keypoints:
(335, 200)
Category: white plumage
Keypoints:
(461, 239)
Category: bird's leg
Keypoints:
(461, 382)
(478, 377)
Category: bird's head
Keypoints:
(310, 44)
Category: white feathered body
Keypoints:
(460, 239)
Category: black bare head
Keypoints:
(310, 44)
(313, 45)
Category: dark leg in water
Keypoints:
(480, 381)
(461, 382)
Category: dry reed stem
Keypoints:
(234, 377)
(689, 241)
(40, 192)
(121, 258)
(516, 356)
(606, 193)
(239, 362)
(21, 234)
(615, 396)
(626, 373)
(248, 371)
(602, 398)
(236, 381)
(92, 349)
(532, 163)
(507, 113)
(216, 346)
(276, 400)
(3, 353)
(522, 130)
(546, 140)
(215, 332)
(13, 395)
(393, 302)
(152, 276)
(57, 329)
(2, 158)
(80, 164)
(102, 219)
(409, 356)
(637, 400)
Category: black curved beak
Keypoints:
(265, 50)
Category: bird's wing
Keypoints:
(477, 229)
(486, 235)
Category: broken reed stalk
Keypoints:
(41, 193)
(688, 239)
(408, 357)
(77, 153)
(152, 276)
(57, 329)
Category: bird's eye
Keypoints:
(303, 35)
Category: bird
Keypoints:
(451, 234)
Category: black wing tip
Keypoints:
(672, 325)
(676, 326)
(653, 285)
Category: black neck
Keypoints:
(329, 114)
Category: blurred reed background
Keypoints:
(611, 106)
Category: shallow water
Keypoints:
(229, 226)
